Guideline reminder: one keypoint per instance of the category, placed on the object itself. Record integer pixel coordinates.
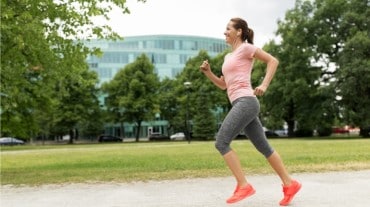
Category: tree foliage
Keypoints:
(342, 39)
(319, 78)
(295, 81)
(205, 121)
(200, 87)
(353, 81)
(134, 92)
(170, 106)
(42, 60)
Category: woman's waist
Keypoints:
(234, 95)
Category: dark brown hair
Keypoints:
(247, 33)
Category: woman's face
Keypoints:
(231, 34)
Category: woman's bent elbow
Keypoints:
(222, 87)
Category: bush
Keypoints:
(365, 132)
(304, 133)
(323, 132)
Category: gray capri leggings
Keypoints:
(243, 116)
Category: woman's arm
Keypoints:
(218, 81)
(272, 64)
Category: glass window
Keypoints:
(125, 45)
(123, 58)
(105, 72)
(173, 58)
(93, 65)
(184, 59)
(176, 71)
(158, 58)
(165, 44)
(114, 57)
(149, 44)
(189, 45)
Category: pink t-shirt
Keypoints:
(237, 69)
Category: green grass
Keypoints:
(126, 162)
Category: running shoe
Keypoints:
(241, 193)
(289, 192)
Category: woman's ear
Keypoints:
(239, 33)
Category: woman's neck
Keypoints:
(235, 45)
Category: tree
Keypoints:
(342, 40)
(292, 94)
(205, 121)
(173, 93)
(133, 91)
(78, 103)
(353, 81)
(311, 81)
(169, 104)
(215, 97)
(40, 47)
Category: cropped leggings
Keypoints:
(243, 116)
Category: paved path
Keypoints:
(337, 189)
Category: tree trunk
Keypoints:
(290, 128)
(71, 136)
(122, 130)
(290, 119)
(138, 131)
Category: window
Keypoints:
(114, 57)
(184, 59)
(176, 71)
(165, 44)
(149, 44)
(125, 45)
(93, 65)
(189, 45)
(105, 72)
(158, 58)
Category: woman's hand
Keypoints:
(260, 90)
(205, 67)
(218, 81)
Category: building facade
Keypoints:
(168, 53)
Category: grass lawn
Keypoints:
(126, 162)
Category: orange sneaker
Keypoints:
(241, 193)
(289, 192)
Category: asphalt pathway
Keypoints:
(337, 189)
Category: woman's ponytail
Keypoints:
(250, 35)
(247, 33)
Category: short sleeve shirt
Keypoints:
(237, 69)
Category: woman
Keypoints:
(243, 115)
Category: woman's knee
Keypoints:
(222, 147)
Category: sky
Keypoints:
(206, 18)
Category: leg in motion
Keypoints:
(257, 136)
(233, 162)
(238, 117)
(277, 164)
(290, 186)
(243, 188)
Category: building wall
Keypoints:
(168, 53)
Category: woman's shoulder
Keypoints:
(249, 49)
(248, 45)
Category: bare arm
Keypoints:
(218, 81)
(272, 64)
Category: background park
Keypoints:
(48, 91)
